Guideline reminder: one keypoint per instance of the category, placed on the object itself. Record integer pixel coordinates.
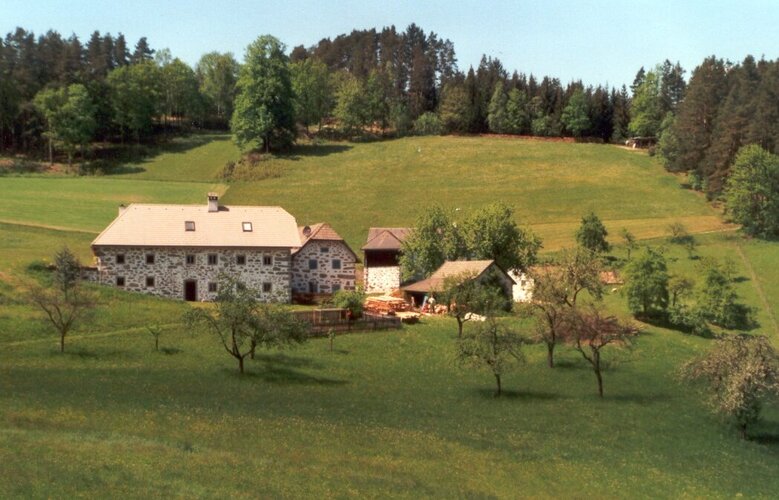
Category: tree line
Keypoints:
(60, 91)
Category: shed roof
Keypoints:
(435, 283)
(164, 225)
(386, 238)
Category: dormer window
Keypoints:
(189, 225)
(247, 227)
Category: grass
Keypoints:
(551, 185)
(385, 414)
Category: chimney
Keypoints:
(122, 208)
(213, 202)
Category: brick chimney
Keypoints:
(122, 208)
(213, 202)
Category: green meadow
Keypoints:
(384, 414)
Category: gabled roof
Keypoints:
(321, 231)
(150, 225)
(435, 283)
(386, 238)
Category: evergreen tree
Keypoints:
(592, 234)
(142, 52)
(517, 112)
(620, 102)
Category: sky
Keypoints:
(599, 42)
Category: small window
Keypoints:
(120, 281)
(324, 249)
(247, 227)
(189, 225)
(336, 287)
(336, 263)
(267, 287)
(267, 260)
(212, 287)
(313, 264)
(120, 258)
(213, 259)
(190, 259)
(240, 260)
(150, 258)
(312, 287)
(149, 281)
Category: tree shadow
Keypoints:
(170, 351)
(282, 359)
(285, 376)
(766, 433)
(313, 150)
(82, 353)
(517, 395)
(641, 399)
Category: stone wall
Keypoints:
(170, 270)
(381, 279)
(324, 276)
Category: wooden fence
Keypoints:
(324, 320)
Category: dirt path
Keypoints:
(759, 288)
(47, 226)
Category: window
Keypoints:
(324, 249)
(120, 281)
(212, 287)
(312, 287)
(213, 259)
(190, 259)
(313, 264)
(336, 263)
(267, 260)
(120, 258)
(149, 281)
(189, 225)
(267, 287)
(336, 287)
(150, 258)
(247, 227)
(240, 260)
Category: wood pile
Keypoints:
(385, 305)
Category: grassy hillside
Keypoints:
(550, 184)
(385, 414)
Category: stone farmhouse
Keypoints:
(381, 271)
(323, 263)
(180, 251)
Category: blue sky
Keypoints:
(597, 41)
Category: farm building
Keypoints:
(485, 271)
(180, 251)
(522, 291)
(381, 258)
(323, 263)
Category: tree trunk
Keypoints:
(156, 343)
(51, 151)
(497, 381)
(254, 348)
(459, 328)
(743, 431)
(240, 364)
(596, 368)
(550, 354)
(62, 342)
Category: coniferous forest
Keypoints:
(58, 95)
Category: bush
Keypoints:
(253, 167)
(689, 319)
(351, 300)
(428, 124)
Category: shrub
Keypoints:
(253, 167)
(351, 300)
(428, 124)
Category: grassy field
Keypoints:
(385, 414)
(355, 186)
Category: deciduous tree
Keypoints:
(492, 345)
(741, 372)
(264, 109)
(752, 192)
(592, 234)
(646, 284)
